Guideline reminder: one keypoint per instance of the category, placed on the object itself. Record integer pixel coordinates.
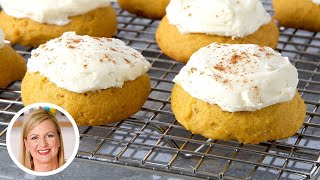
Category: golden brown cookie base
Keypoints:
(90, 108)
(12, 66)
(101, 22)
(300, 14)
(181, 46)
(273, 122)
(153, 9)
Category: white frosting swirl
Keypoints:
(83, 63)
(1, 39)
(50, 11)
(238, 77)
(235, 18)
(316, 1)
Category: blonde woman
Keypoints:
(41, 142)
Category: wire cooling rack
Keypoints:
(153, 139)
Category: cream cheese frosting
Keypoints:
(83, 63)
(238, 77)
(235, 18)
(50, 11)
(316, 1)
(1, 38)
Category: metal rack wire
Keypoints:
(153, 139)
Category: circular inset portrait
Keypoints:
(42, 139)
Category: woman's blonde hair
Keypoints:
(34, 119)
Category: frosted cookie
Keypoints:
(238, 92)
(12, 65)
(97, 80)
(190, 25)
(35, 22)
(301, 14)
(154, 9)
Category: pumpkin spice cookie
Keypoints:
(97, 80)
(32, 23)
(153, 9)
(190, 25)
(12, 65)
(238, 92)
(300, 14)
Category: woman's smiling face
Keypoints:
(43, 143)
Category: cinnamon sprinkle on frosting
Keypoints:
(98, 63)
(239, 77)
